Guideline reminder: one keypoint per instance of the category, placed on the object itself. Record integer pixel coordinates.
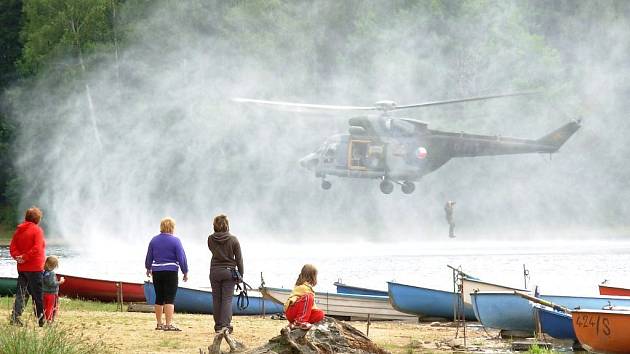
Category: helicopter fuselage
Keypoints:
(401, 150)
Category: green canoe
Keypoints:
(7, 286)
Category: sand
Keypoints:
(133, 332)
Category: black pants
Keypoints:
(29, 283)
(222, 292)
(165, 284)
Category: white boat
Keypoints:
(476, 285)
(346, 306)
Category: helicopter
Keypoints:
(396, 150)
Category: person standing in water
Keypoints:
(226, 269)
(448, 209)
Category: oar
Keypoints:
(542, 302)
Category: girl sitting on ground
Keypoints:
(300, 307)
(50, 288)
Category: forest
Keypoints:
(73, 72)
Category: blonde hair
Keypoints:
(167, 225)
(33, 215)
(307, 274)
(51, 263)
(221, 223)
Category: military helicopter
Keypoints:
(399, 150)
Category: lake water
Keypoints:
(558, 266)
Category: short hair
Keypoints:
(33, 215)
(51, 263)
(307, 274)
(167, 225)
(221, 223)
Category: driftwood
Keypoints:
(235, 346)
(327, 336)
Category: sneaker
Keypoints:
(302, 325)
(17, 322)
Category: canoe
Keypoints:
(471, 285)
(508, 311)
(349, 289)
(99, 289)
(191, 300)
(603, 331)
(426, 302)
(7, 286)
(555, 323)
(346, 306)
(613, 290)
(503, 310)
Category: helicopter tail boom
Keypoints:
(558, 137)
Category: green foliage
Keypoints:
(60, 30)
(10, 46)
(53, 339)
(536, 349)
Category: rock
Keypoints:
(327, 336)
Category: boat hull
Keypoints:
(475, 285)
(99, 289)
(8, 286)
(348, 289)
(425, 302)
(346, 306)
(508, 311)
(200, 301)
(613, 290)
(556, 324)
(603, 331)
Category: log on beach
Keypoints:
(327, 336)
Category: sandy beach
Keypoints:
(133, 332)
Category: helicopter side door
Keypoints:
(364, 154)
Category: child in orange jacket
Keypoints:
(300, 307)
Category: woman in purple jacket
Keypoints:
(165, 257)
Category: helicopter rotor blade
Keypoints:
(479, 98)
(302, 107)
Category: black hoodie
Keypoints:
(226, 251)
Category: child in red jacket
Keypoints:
(300, 307)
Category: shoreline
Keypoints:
(133, 332)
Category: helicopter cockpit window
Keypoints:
(330, 153)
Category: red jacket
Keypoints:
(28, 242)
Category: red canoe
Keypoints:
(101, 290)
(613, 290)
(603, 331)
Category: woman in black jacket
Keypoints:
(225, 268)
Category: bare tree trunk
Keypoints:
(87, 86)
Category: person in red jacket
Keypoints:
(28, 248)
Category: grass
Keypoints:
(49, 339)
(70, 304)
(535, 349)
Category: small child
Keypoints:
(300, 307)
(50, 288)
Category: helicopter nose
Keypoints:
(309, 161)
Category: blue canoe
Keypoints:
(200, 301)
(555, 323)
(508, 311)
(355, 290)
(425, 302)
